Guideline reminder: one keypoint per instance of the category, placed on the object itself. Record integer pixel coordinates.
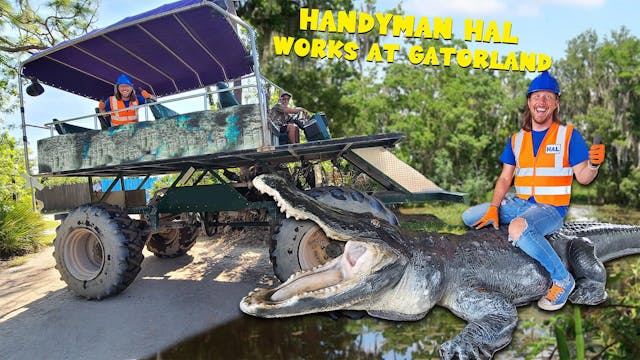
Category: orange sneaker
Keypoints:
(557, 295)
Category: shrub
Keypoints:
(21, 228)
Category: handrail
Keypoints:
(146, 105)
(260, 81)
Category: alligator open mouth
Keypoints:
(296, 204)
(344, 280)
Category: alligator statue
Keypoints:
(398, 275)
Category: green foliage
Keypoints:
(630, 188)
(11, 169)
(561, 338)
(456, 120)
(20, 228)
(607, 331)
(563, 346)
(55, 181)
(314, 85)
(577, 321)
(281, 17)
(600, 81)
(28, 29)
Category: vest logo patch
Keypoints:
(553, 149)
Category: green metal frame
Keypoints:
(202, 198)
(222, 196)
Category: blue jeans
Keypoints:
(541, 220)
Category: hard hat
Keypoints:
(544, 81)
(285, 93)
(124, 80)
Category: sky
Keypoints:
(542, 26)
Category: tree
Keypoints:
(271, 17)
(27, 30)
(456, 120)
(20, 227)
(601, 90)
(316, 84)
(11, 167)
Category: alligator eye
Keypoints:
(375, 222)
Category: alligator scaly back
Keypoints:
(611, 241)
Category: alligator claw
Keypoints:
(588, 292)
(462, 350)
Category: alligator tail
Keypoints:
(611, 241)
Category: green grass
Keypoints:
(436, 216)
(447, 217)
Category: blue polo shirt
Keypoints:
(578, 152)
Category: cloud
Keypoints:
(491, 7)
(454, 7)
(526, 10)
(578, 3)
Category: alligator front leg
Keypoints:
(491, 318)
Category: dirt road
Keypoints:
(170, 300)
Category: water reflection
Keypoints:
(320, 337)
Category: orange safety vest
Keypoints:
(548, 176)
(121, 114)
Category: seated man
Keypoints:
(280, 116)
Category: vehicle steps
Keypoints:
(394, 174)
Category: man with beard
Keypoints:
(541, 160)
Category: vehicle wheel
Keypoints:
(98, 250)
(301, 245)
(174, 242)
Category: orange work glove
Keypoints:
(145, 94)
(490, 217)
(596, 154)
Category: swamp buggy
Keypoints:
(183, 50)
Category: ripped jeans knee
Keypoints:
(516, 228)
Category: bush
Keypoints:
(630, 188)
(21, 228)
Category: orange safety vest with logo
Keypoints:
(548, 176)
(121, 114)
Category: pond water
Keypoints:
(321, 337)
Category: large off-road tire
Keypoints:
(98, 250)
(301, 245)
(174, 242)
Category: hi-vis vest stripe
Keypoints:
(548, 176)
(121, 114)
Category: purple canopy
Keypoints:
(177, 47)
